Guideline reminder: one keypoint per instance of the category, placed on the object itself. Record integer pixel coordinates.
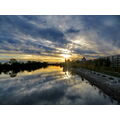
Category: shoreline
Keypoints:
(109, 84)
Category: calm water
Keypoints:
(49, 85)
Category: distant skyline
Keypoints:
(54, 38)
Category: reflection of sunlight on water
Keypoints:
(51, 85)
(67, 75)
(42, 70)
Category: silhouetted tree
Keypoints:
(13, 66)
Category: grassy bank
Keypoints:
(91, 65)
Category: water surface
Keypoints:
(51, 85)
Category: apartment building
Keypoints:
(115, 60)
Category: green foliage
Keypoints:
(101, 65)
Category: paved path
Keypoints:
(109, 84)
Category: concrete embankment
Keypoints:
(109, 84)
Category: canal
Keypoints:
(52, 86)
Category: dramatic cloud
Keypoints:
(54, 36)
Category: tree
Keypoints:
(12, 61)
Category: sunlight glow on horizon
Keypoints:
(56, 38)
(66, 56)
(45, 58)
(28, 57)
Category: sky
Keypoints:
(54, 38)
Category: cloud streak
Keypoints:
(90, 36)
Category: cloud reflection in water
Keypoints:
(50, 86)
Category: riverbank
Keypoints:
(98, 65)
(109, 84)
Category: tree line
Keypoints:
(101, 65)
(13, 66)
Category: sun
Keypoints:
(66, 56)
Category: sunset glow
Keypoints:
(66, 56)
(46, 38)
(59, 60)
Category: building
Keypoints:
(115, 60)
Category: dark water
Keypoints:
(50, 86)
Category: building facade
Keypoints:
(115, 61)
